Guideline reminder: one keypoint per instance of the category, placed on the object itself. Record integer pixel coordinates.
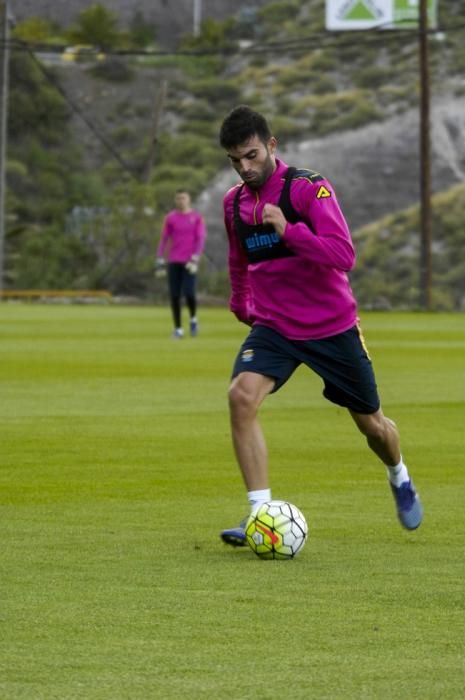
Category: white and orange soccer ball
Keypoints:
(276, 530)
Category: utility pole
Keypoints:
(158, 106)
(4, 60)
(425, 161)
(197, 17)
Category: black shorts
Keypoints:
(341, 361)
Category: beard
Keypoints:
(258, 178)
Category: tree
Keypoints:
(142, 34)
(96, 26)
(33, 30)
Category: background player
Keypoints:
(182, 242)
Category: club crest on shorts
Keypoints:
(247, 355)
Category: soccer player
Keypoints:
(290, 250)
(183, 236)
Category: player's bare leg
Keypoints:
(246, 393)
(383, 438)
(381, 434)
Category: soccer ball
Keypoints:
(276, 530)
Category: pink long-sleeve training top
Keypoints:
(183, 235)
(306, 295)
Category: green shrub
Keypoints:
(258, 60)
(123, 134)
(50, 260)
(289, 78)
(170, 177)
(285, 129)
(200, 109)
(322, 61)
(323, 84)
(142, 32)
(35, 106)
(393, 245)
(274, 14)
(458, 61)
(362, 113)
(214, 34)
(214, 283)
(216, 90)
(96, 26)
(115, 70)
(32, 30)
(205, 129)
(373, 77)
(338, 111)
(187, 148)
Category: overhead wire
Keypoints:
(316, 40)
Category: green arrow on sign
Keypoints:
(359, 10)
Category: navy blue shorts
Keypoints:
(341, 361)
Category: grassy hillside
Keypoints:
(311, 84)
(387, 272)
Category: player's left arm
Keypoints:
(323, 237)
(200, 235)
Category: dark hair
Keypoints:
(241, 124)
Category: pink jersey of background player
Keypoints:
(307, 295)
(182, 236)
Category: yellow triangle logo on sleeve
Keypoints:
(323, 193)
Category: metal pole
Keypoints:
(197, 17)
(425, 161)
(4, 59)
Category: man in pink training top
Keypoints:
(183, 238)
(289, 253)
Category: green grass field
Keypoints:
(117, 476)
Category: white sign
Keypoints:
(371, 14)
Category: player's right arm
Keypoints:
(240, 301)
(165, 234)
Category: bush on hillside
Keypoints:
(114, 70)
(393, 246)
(216, 90)
(96, 26)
